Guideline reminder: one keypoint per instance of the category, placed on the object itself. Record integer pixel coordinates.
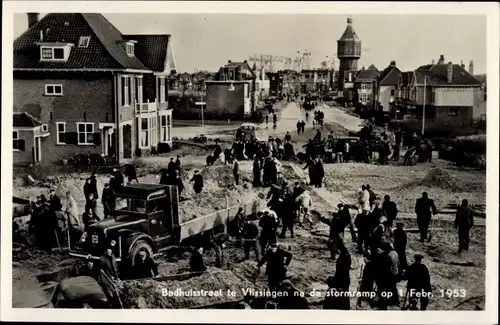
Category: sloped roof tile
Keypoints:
(437, 74)
(103, 51)
(389, 76)
(24, 119)
(151, 50)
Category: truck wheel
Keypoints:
(139, 246)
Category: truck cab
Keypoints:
(146, 218)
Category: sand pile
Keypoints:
(438, 177)
(219, 192)
(147, 294)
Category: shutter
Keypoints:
(97, 138)
(71, 138)
(20, 145)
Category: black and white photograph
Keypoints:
(244, 158)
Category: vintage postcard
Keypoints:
(187, 156)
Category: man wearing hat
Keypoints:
(464, 220)
(419, 282)
(197, 182)
(117, 179)
(277, 260)
(108, 200)
(424, 208)
(269, 224)
(108, 262)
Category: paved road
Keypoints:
(334, 114)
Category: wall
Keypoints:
(385, 97)
(25, 157)
(224, 104)
(479, 110)
(453, 96)
(464, 113)
(88, 99)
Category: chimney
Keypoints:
(32, 19)
(462, 64)
(441, 59)
(393, 64)
(433, 61)
(245, 61)
(41, 35)
(450, 72)
(228, 61)
(471, 67)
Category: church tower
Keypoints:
(348, 53)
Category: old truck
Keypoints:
(147, 219)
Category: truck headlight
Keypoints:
(113, 243)
(84, 237)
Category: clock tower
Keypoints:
(348, 53)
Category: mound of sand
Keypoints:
(145, 294)
(438, 177)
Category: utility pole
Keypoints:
(423, 107)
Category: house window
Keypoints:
(148, 132)
(85, 133)
(163, 128)
(363, 98)
(392, 92)
(53, 90)
(368, 86)
(139, 91)
(52, 53)
(61, 132)
(15, 143)
(453, 111)
(125, 91)
(130, 49)
(162, 90)
(144, 138)
(84, 41)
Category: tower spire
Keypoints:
(349, 20)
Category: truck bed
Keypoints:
(199, 225)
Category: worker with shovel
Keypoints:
(424, 209)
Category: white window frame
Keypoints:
(144, 134)
(84, 41)
(163, 129)
(162, 89)
(129, 47)
(140, 93)
(54, 93)
(59, 132)
(52, 57)
(15, 137)
(85, 132)
(126, 85)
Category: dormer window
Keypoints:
(84, 41)
(54, 51)
(130, 49)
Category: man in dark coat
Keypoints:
(118, 178)
(257, 182)
(218, 243)
(419, 282)
(178, 163)
(54, 201)
(346, 220)
(171, 166)
(131, 173)
(464, 221)
(197, 182)
(336, 234)
(362, 222)
(319, 172)
(390, 210)
(250, 236)
(217, 150)
(277, 260)
(299, 127)
(91, 203)
(400, 242)
(178, 182)
(164, 176)
(196, 262)
(424, 209)
(287, 214)
(108, 200)
(288, 137)
(87, 188)
(310, 166)
(269, 224)
(109, 265)
(89, 218)
(342, 269)
(93, 185)
(144, 266)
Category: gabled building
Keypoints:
(233, 92)
(448, 91)
(365, 85)
(95, 89)
(387, 87)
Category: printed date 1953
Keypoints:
(452, 293)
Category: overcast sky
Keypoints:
(208, 41)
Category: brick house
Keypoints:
(450, 92)
(95, 89)
(275, 83)
(233, 92)
(364, 87)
